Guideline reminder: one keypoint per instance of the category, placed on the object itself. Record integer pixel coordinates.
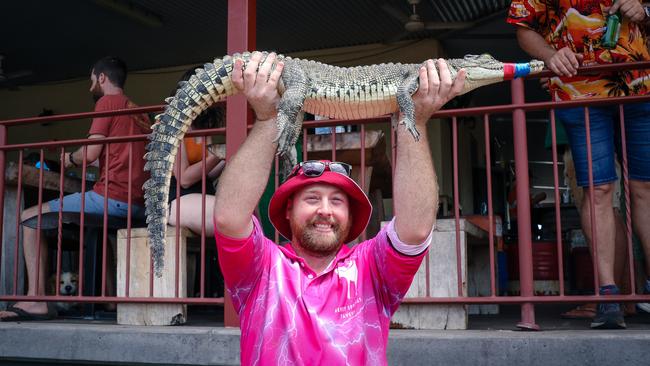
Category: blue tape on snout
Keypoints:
(522, 70)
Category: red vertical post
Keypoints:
(558, 220)
(333, 136)
(592, 209)
(491, 226)
(523, 207)
(19, 185)
(276, 184)
(203, 214)
(3, 141)
(454, 144)
(362, 174)
(241, 37)
(628, 209)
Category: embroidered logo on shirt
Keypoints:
(350, 273)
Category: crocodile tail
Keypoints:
(210, 84)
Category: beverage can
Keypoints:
(612, 32)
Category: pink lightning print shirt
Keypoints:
(289, 315)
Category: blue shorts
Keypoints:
(94, 204)
(605, 141)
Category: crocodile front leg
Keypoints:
(406, 105)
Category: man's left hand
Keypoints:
(259, 86)
(436, 88)
(631, 9)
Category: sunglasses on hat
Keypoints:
(315, 168)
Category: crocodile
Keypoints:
(305, 85)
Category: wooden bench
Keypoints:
(443, 279)
(139, 278)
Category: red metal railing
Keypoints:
(106, 142)
(517, 108)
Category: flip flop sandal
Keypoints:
(22, 315)
(580, 312)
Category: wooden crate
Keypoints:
(443, 279)
(139, 279)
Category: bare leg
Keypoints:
(30, 250)
(605, 230)
(621, 265)
(621, 269)
(111, 269)
(191, 215)
(640, 192)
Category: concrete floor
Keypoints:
(204, 341)
(547, 317)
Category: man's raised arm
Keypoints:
(243, 181)
(415, 188)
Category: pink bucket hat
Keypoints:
(360, 207)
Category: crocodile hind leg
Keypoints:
(406, 106)
(289, 120)
(287, 162)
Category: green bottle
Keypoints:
(612, 31)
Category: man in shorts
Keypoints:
(107, 87)
(566, 34)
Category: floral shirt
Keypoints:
(579, 25)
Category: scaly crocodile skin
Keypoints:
(317, 88)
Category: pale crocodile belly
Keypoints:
(353, 103)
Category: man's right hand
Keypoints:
(244, 178)
(631, 9)
(259, 86)
(564, 62)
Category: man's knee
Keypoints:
(33, 211)
(171, 219)
(601, 192)
(640, 191)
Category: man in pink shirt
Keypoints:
(316, 301)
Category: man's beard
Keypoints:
(97, 93)
(317, 243)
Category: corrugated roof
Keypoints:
(59, 39)
(467, 10)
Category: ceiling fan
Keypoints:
(413, 23)
(6, 79)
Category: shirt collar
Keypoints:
(343, 253)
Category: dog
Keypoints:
(67, 287)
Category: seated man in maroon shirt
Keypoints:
(107, 87)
